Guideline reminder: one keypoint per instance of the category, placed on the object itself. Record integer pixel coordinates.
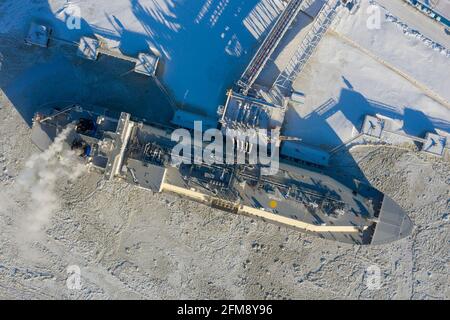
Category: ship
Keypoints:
(298, 196)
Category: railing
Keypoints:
(431, 9)
(305, 50)
(271, 42)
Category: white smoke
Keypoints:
(34, 194)
(42, 174)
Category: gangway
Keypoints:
(283, 83)
(270, 43)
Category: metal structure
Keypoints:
(322, 22)
(38, 35)
(434, 144)
(246, 116)
(438, 10)
(294, 196)
(90, 48)
(147, 64)
(271, 42)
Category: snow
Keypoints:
(88, 48)
(414, 19)
(406, 53)
(357, 71)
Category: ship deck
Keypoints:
(294, 197)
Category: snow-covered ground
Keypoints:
(414, 19)
(129, 243)
(356, 71)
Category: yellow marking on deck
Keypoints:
(268, 216)
(273, 204)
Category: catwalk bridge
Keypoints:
(271, 42)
